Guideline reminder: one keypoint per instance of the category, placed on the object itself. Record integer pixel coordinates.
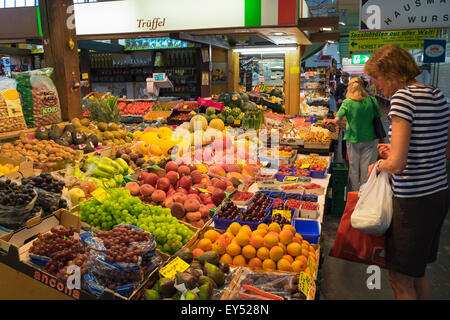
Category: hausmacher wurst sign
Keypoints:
(404, 14)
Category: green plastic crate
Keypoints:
(339, 178)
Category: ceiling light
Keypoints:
(326, 29)
(278, 33)
(263, 50)
(342, 23)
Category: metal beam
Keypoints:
(210, 40)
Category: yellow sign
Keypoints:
(84, 76)
(284, 213)
(99, 194)
(176, 265)
(304, 283)
(237, 121)
(372, 40)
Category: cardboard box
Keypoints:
(14, 254)
(317, 145)
(25, 167)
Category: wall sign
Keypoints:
(371, 41)
(404, 14)
(137, 16)
(360, 58)
(434, 50)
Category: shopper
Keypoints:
(341, 89)
(360, 138)
(416, 159)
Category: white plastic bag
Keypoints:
(373, 212)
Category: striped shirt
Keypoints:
(427, 110)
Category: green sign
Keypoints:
(360, 58)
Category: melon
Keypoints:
(199, 118)
(217, 124)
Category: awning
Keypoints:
(312, 50)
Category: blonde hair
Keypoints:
(394, 64)
(356, 90)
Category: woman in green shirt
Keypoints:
(359, 132)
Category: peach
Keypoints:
(133, 187)
(184, 170)
(171, 166)
(196, 177)
(186, 182)
(173, 177)
(192, 205)
(179, 197)
(163, 184)
(147, 189)
(159, 196)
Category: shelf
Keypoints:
(16, 134)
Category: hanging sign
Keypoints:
(434, 50)
(371, 41)
(360, 58)
(404, 14)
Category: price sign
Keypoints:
(237, 122)
(284, 213)
(171, 269)
(99, 194)
(304, 283)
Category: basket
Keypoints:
(223, 224)
(308, 229)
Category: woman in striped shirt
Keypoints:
(416, 158)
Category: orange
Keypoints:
(290, 227)
(276, 253)
(226, 258)
(299, 237)
(305, 253)
(263, 253)
(212, 235)
(230, 235)
(282, 246)
(305, 246)
(283, 265)
(239, 260)
(260, 232)
(286, 237)
(297, 266)
(197, 252)
(274, 227)
(288, 258)
(246, 228)
(270, 240)
(233, 249)
(155, 150)
(302, 259)
(256, 241)
(224, 239)
(205, 244)
(311, 248)
(234, 228)
(305, 242)
(269, 265)
(255, 263)
(248, 251)
(295, 239)
(242, 238)
(235, 241)
(263, 226)
(308, 272)
(312, 256)
(218, 247)
(294, 249)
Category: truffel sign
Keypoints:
(404, 14)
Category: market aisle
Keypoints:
(343, 280)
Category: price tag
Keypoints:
(290, 178)
(202, 190)
(185, 107)
(171, 269)
(237, 122)
(99, 194)
(284, 213)
(192, 112)
(304, 284)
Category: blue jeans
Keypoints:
(359, 156)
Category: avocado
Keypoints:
(150, 294)
(205, 291)
(215, 273)
(55, 132)
(41, 133)
(187, 279)
(191, 296)
(166, 287)
(67, 135)
(79, 137)
(209, 256)
(93, 138)
(185, 254)
(224, 267)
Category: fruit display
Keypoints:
(228, 211)
(107, 133)
(134, 160)
(134, 108)
(312, 159)
(242, 197)
(46, 155)
(293, 203)
(103, 109)
(7, 169)
(268, 248)
(257, 210)
(121, 207)
(278, 218)
(205, 274)
(322, 136)
(59, 249)
(306, 205)
(103, 171)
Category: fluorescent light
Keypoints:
(342, 23)
(326, 29)
(263, 50)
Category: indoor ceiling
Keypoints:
(331, 7)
